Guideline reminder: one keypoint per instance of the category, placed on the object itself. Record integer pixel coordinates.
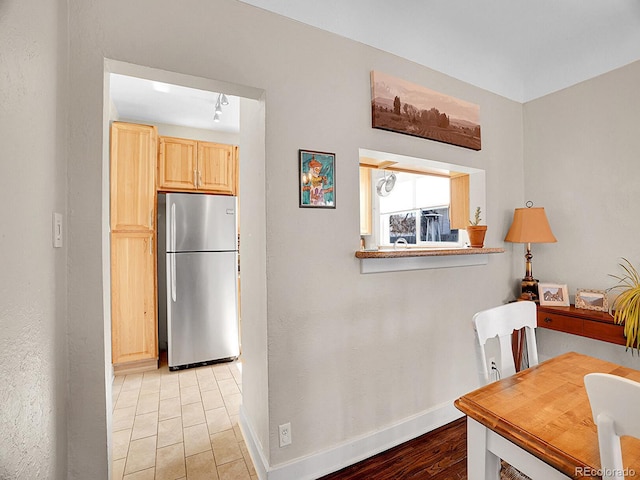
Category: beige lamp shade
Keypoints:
(530, 225)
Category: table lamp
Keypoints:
(530, 225)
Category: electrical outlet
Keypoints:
(285, 434)
(492, 363)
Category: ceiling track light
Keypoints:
(222, 100)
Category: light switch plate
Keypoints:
(57, 230)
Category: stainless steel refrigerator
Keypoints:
(198, 277)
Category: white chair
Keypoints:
(501, 322)
(614, 404)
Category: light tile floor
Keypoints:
(180, 425)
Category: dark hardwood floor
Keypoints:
(437, 455)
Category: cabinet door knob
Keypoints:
(547, 320)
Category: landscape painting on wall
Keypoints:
(404, 107)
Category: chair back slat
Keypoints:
(614, 404)
(500, 322)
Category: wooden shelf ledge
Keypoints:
(435, 252)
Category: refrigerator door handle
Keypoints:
(172, 247)
(173, 277)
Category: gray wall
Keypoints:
(347, 354)
(582, 163)
(33, 284)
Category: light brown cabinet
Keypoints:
(217, 168)
(190, 165)
(134, 341)
(133, 165)
(459, 201)
(133, 297)
(177, 164)
(365, 201)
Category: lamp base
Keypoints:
(529, 290)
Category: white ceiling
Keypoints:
(156, 102)
(520, 49)
(516, 48)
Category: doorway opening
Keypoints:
(246, 107)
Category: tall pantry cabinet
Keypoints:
(134, 337)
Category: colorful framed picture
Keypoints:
(592, 299)
(553, 294)
(404, 107)
(317, 174)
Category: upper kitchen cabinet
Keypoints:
(133, 167)
(177, 164)
(217, 166)
(189, 165)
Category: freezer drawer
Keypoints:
(202, 313)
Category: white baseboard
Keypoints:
(322, 463)
(254, 447)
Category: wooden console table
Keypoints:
(586, 323)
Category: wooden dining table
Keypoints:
(539, 421)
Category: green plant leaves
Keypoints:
(476, 220)
(626, 307)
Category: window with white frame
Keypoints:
(416, 210)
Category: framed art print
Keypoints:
(317, 172)
(401, 106)
(592, 299)
(553, 294)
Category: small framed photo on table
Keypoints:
(553, 294)
(317, 176)
(592, 299)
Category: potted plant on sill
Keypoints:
(476, 231)
(625, 308)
